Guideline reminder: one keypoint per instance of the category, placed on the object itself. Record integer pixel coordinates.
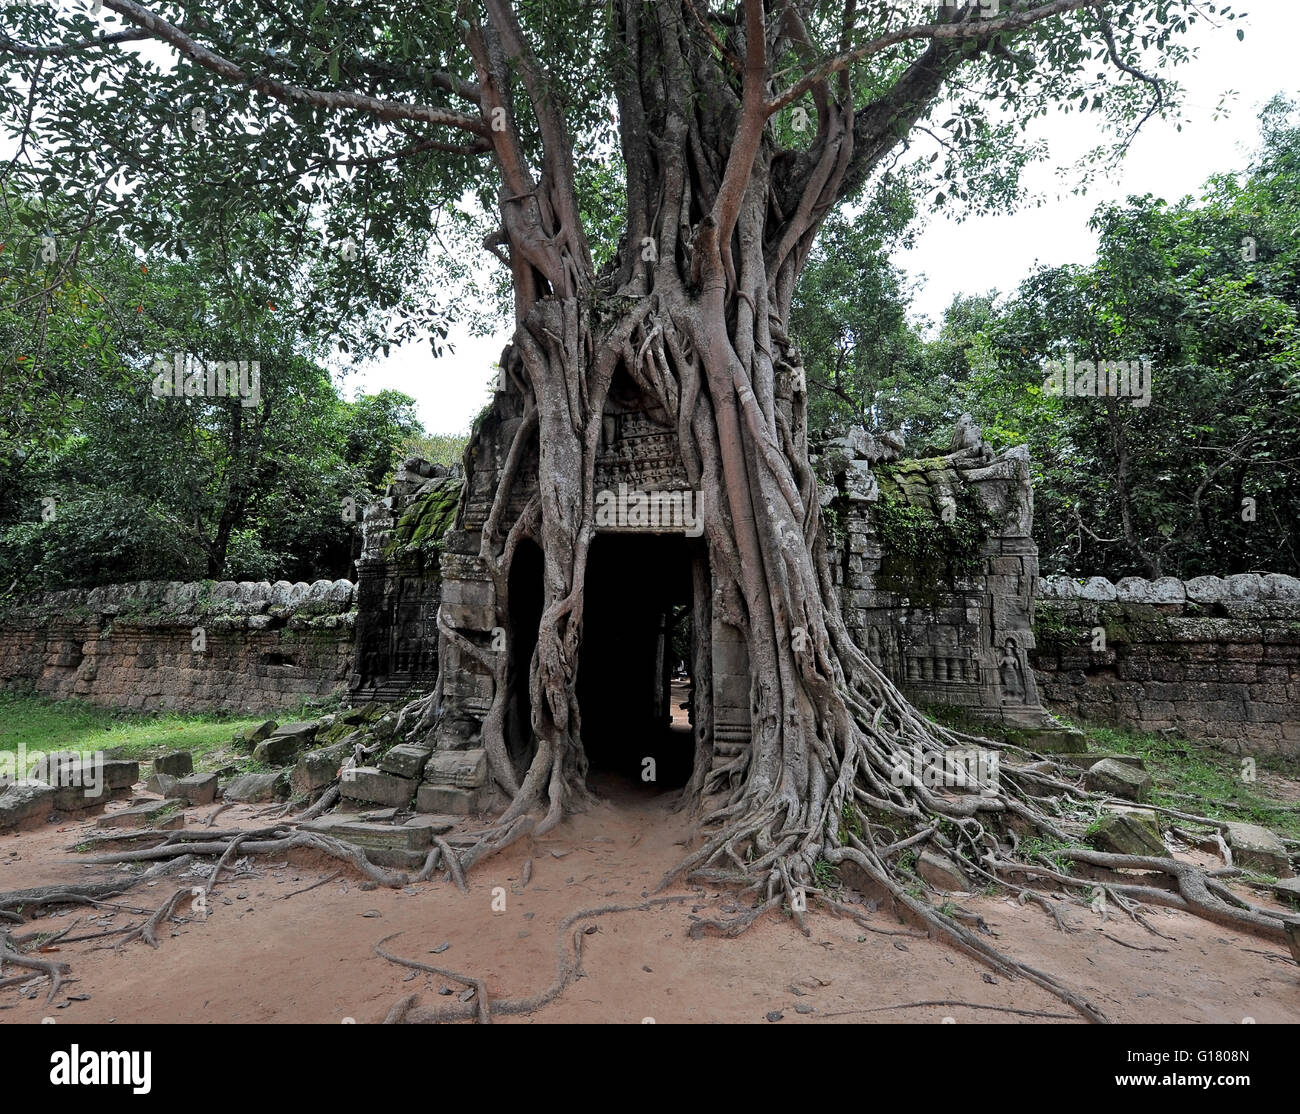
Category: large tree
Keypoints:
(656, 173)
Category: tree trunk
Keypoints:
(694, 310)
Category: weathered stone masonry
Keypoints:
(238, 647)
(1207, 659)
(1210, 659)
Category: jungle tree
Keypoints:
(656, 172)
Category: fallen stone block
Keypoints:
(1289, 890)
(74, 769)
(405, 760)
(318, 768)
(78, 798)
(370, 835)
(159, 783)
(1257, 848)
(26, 802)
(198, 789)
(164, 815)
(285, 744)
(1118, 779)
(449, 799)
(466, 769)
(941, 871)
(252, 788)
(120, 773)
(366, 783)
(178, 763)
(245, 741)
(1128, 831)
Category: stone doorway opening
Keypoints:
(636, 668)
(527, 599)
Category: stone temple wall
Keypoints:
(202, 646)
(937, 571)
(399, 584)
(959, 620)
(1208, 658)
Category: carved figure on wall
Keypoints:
(1011, 670)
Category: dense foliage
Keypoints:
(1204, 478)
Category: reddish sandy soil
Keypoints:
(265, 956)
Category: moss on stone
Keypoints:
(922, 552)
(425, 521)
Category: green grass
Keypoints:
(1197, 777)
(1190, 776)
(47, 725)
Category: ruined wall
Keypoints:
(399, 583)
(203, 646)
(937, 570)
(1208, 658)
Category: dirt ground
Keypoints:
(266, 954)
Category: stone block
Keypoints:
(1257, 848)
(177, 763)
(369, 835)
(247, 740)
(285, 744)
(255, 787)
(1128, 831)
(198, 789)
(163, 815)
(466, 769)
(159, 783)
(941, 871)
(26, 802)
(1118, 779)
(318, 768)
(448, 799)
(366, 783)
(78, 798)
(406, 760)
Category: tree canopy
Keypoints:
(1202, 479)
(367, 149)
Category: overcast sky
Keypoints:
(984, 253)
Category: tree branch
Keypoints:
(13, 46)
(936, 32)
(159, 28)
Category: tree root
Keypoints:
(568, 967)
(55, 970)
(952, 1002)
(311, 840)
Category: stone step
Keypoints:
(367, 783)
(162, 815)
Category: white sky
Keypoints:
(984, 253)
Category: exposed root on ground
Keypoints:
(568, 966)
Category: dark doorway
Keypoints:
(526, 600)
(636, 663)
